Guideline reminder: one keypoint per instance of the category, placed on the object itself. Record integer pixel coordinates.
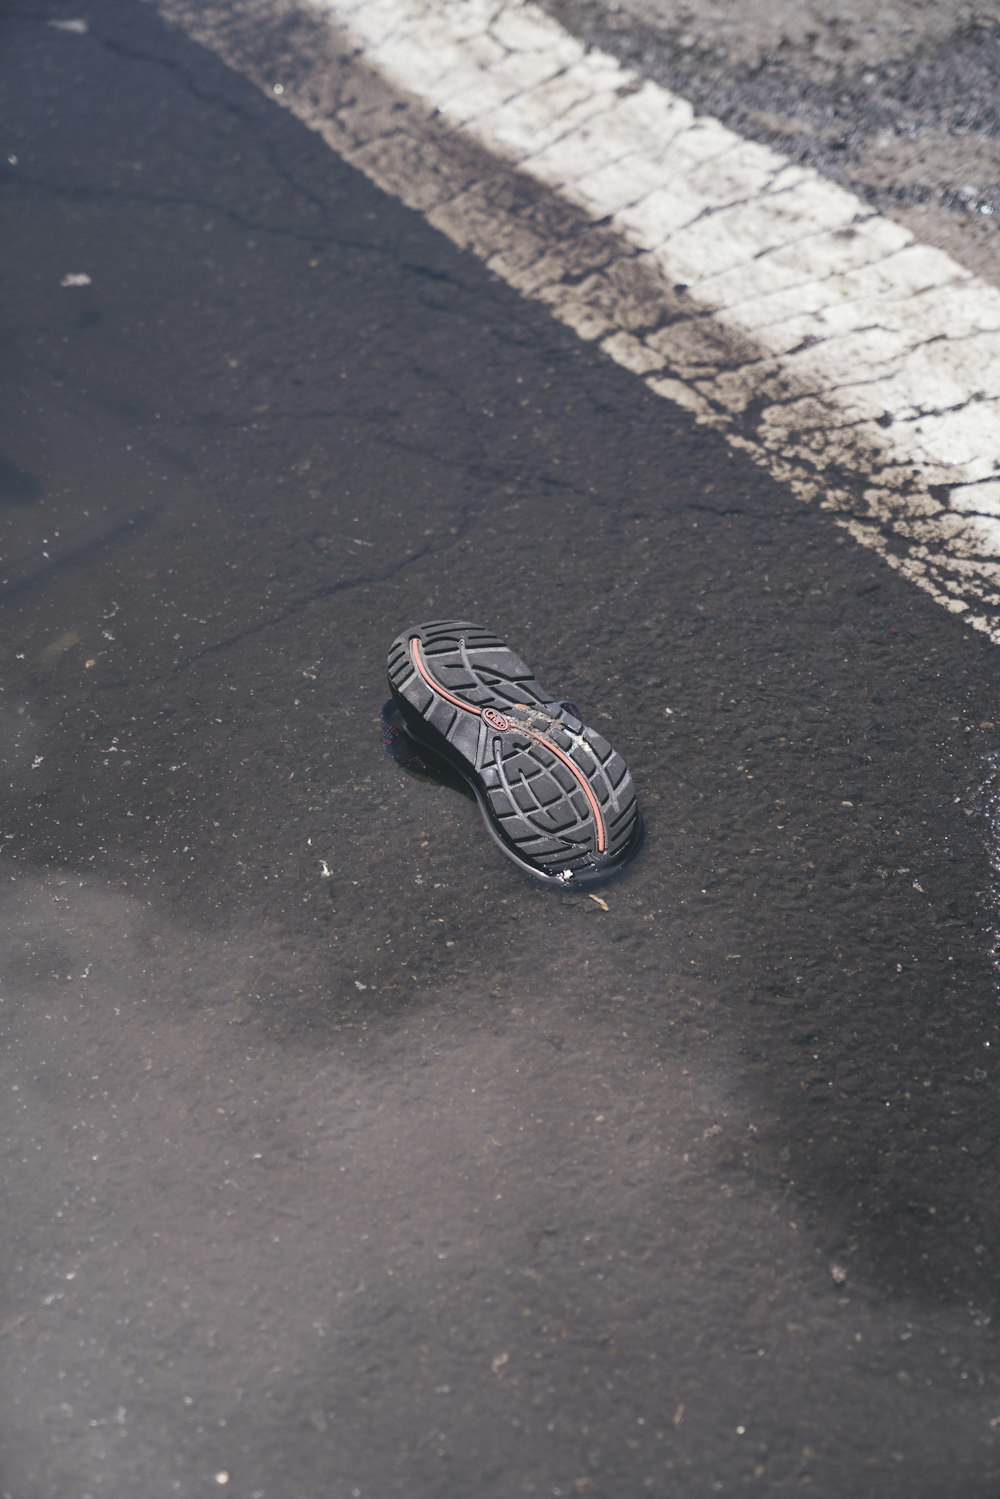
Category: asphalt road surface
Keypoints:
(339, 1161)
(896, 101)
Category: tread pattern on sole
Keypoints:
(559, 798)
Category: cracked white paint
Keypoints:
(816, 335)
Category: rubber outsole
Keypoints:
(554, 794)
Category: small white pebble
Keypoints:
(75, 278)
(222, 1476)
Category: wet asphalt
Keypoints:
(412, 1178)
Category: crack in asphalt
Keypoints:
(88, 192)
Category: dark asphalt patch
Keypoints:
(415, 1180)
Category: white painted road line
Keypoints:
(860, 367)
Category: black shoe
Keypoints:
(555, 796)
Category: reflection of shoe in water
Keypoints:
(555, 796)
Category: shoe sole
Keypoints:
(554, 794)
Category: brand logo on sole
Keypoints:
(496, 720)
